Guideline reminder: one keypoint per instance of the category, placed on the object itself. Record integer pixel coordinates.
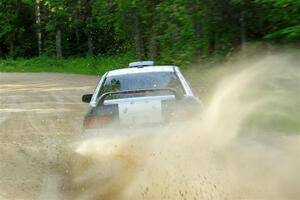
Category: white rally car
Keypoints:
(140, 95)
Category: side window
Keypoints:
(97, 89)
(110, 86)
(100, 91)
(175, 83)
(185, 84)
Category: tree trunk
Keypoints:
(137, 39)
(211, 43)
(211, 38)
(90, 45)
(153, 49)
(12, 49)
(58, 43)
(77, 36)
(195, 7)
(1, 53)
(38, 24)
(175, 31)
(243, 29)
(88, 19)
(197, 29)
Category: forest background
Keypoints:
(93, 36)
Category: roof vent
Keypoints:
(141, 63)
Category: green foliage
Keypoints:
(15, 26)
(284, 19)
(289, 33)
(84, 65)
(171, 31)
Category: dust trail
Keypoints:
(245, 144)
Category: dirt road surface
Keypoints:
(41, 116)
(39, 113)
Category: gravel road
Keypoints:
(39, 113)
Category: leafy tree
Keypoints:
(283, 19)
(165, 30)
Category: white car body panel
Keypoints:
(130, 112)
(184, 83)
(135, 99)
(93, 101)
(135, 70)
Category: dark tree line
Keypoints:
(155, 29)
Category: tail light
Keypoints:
(96, 121)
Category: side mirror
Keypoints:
(87, 98)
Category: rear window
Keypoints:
(140, 81)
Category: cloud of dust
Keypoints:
(244, 144)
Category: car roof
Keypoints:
(134, 70)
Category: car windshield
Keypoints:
(140, 81)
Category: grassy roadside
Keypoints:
(87, 65)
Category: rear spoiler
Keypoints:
(103, 96)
